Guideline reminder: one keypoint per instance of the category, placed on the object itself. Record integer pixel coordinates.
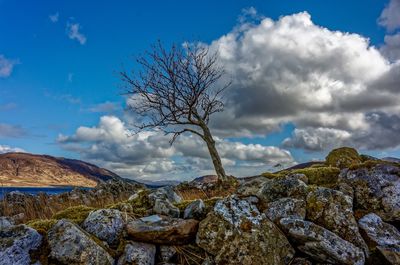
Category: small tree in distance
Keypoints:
(176, 90)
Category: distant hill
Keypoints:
(23, 169)
(391, 159)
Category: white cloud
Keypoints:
(392, 47)
(293, 71)
(54, 17)
(73, 32)
(6, 66)
(148, 155)
(390, 17)
(105, 107)
(8, 149)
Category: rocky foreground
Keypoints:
(343, 211)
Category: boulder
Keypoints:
(300, 261)
(158, 229)
(164, 207)
(195, 210)
(333, 210)
(105, 224)
(343, 157)
(235, 232)
(321, 244)
(284, 208)
(251, 186)
(138, 253)
(275, 189)
(70, 245)
(376, 189)
(381, 237)
(165, 193)
(6, 222)
(16, 242)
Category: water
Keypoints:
(36, 190)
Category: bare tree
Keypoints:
(177, 90)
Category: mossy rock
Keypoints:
(270, 175)
(209, 204)
(321, 176)
(42, 225)
(76, 214)
(343, 157)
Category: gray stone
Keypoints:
(381, 237)
(195, 210)
(15, 244)
(105, 224)
(286, 207)
(138, 253)
(165, 193)
(321, 244)
(333, 210)
(167, 252)
(164, 207)
(275, 189)
(6, 222)
(235, 232)
(71, 245)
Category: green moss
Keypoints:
(270, 175)
(322, 176)
(76, 214)
(343, 157)
(42, 225)
(183, 204)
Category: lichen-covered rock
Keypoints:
(105, 224)
(70, 245)
(250, 187)
(165, 193)
(343, 157)
(15, 244)
(235, 232)
(195, 210)
(300, 261)
(138, 253)
(164, 230)
(164, 207)
(321, 244)
(284, 208)
(333, 210)
(275, 189)
(381, 237)
(376, 189)
(5, 222)
(167, 253)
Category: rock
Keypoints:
(275, 189)
(69, 245)
(300, 261)
(343, 157)
(251, 186)
(195, 210)
(6, 222)
(165, 230)
(286, 207)
(138, 253)
(167, 253)
(105, 224)
(321, 244)
(235, 232)
(16, 242)
(164, 207)
(208, 261)
(376, 189)
(165, 193)
(381, 237)
(333, 210)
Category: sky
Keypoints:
(307, 76)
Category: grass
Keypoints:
(42, 225)
(76, 214)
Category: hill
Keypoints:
(24, 169)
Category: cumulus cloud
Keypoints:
(6, 66)
(392, 47)
(74, 32)
(390, 17)
(292, 71)
(7, 149)
(149, 155)
(11, 131)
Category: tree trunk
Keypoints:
(214, 154)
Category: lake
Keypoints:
(36, 190)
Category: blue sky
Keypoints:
(60, 81)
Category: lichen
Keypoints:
(343, 157)
(76, 214)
